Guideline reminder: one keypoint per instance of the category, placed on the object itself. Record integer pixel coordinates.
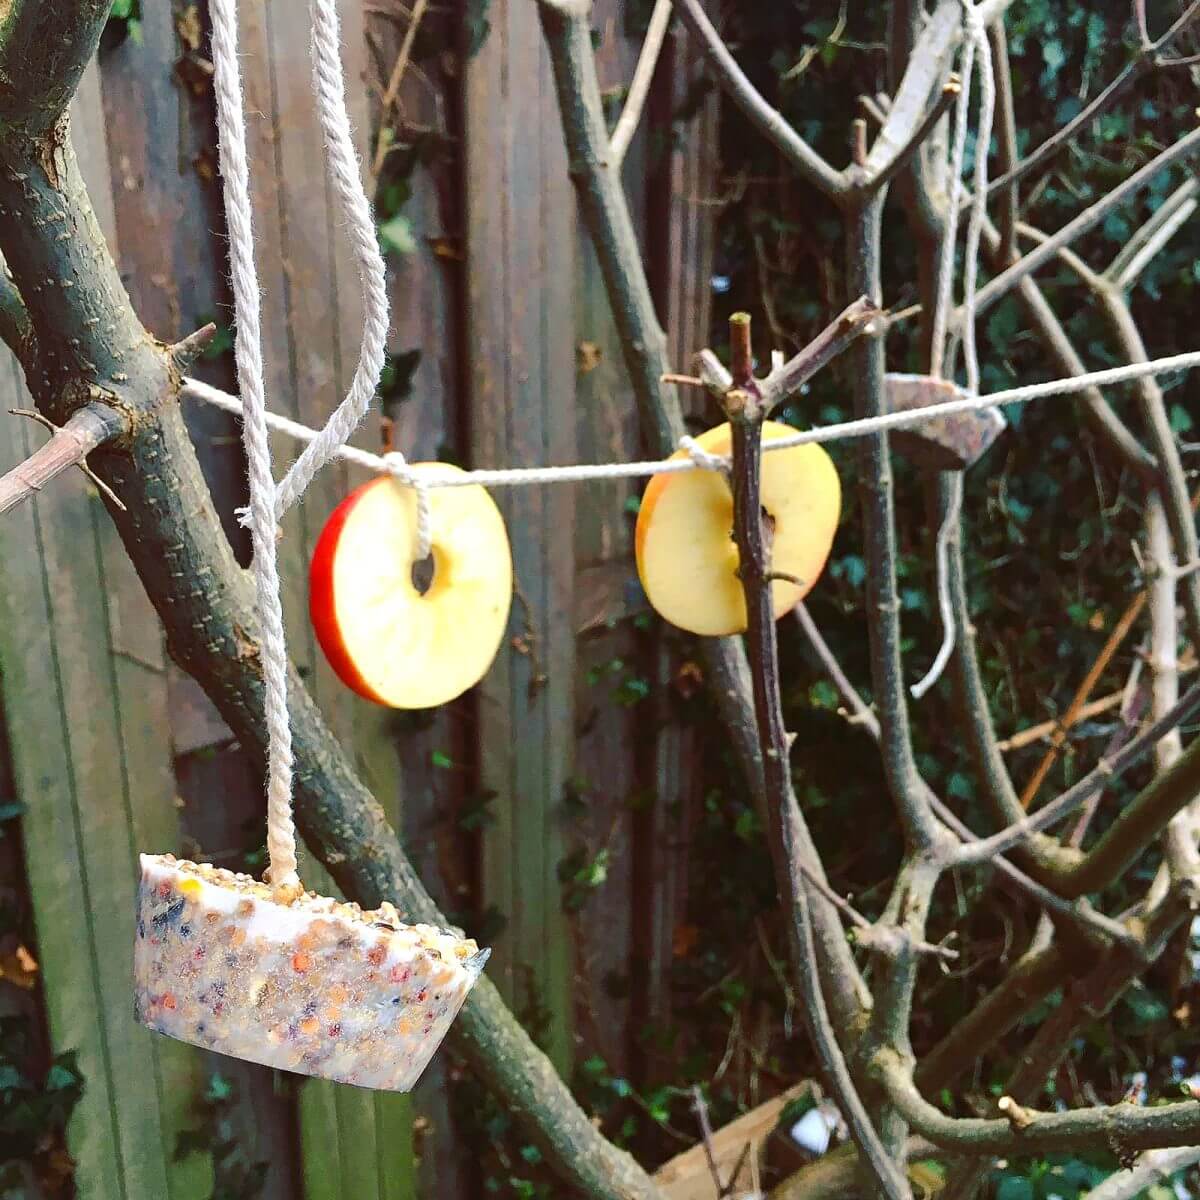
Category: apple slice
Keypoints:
(387, 639)
(686, 555)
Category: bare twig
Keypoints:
(1059, 737)
(392, 92)
(639, 85)
(1173, 783)
(1125, 1125)
(950, 92)
(188, 349)
(1149, 240)
(1085, 917)
(1006, 142)
(1150, 1168)
(700, 1108)
(1038, 733)
(852, 322)
(746, 415)
(1146, 60)
(1171, 478)
(733, 80)
(1007, 279)
(1139, 15)
(68, 447)
(926, 69)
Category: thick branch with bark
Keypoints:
(88, 335)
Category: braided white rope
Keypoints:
(839, 432)
(268, 502)
(975, 34)
(235, 176)
(343, 167)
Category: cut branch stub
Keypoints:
(947, 443)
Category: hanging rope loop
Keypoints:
(400, 471)
(268, 502)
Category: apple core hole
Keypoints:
(422, 573)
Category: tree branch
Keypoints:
(1044, 858)
(926, 68)
(205, 601)
(606, 216)
(1145, 60)
(746, 412)
(1171, 477)
(1006, 142)
(887, 670)
(69, 445)
(1150, 811)
(949, 94)
(1151, 1167)
(1086, 919)
(788, 379)
(770, 123)
(1007, 279)
(1123, 1125)
(639, 85)
(1150, 238)
(44, 47)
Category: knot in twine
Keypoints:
(400, 471)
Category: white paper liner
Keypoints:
(318, 987)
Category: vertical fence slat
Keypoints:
(45, 767)
(520, 270)
(423, 808)
(609, 673)
(680, 181)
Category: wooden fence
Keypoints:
(114, 751)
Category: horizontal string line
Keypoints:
(841, 431)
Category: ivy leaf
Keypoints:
(396, 236)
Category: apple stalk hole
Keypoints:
(422, 573)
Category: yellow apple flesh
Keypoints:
(386, 639)
(686, 556)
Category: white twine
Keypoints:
(268, 502)
(343, 167)
(235, 177)
(397, 465)
(582, 472)
(945, 281)
(975, 42)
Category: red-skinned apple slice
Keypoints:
(686, 556)
(386, 639)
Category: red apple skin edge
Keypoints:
(322, 604)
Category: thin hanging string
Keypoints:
(235, 177)
(977, 33)
(975, 41)
(268, 502)
(397, 465)
(945, 281)
(582, 472)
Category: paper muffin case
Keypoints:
(318, 987)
